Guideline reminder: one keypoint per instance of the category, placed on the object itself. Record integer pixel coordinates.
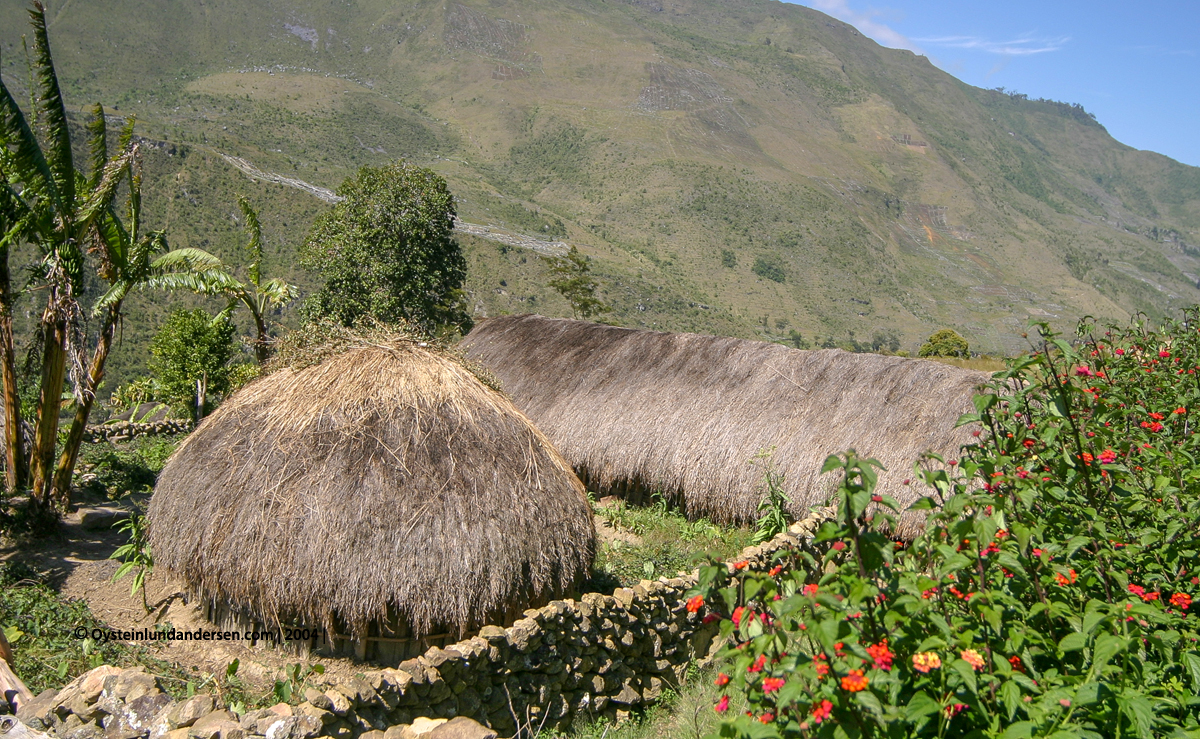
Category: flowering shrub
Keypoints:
(1049, 594)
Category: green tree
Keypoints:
(190, 358)
(572, 278)
(64, 214)
(387, 252)
(769, 267)
(945, 343)
(204, 273)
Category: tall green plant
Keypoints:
(204, 273)
(572, 278)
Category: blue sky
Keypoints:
(1135, 65)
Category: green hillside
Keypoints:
(733, 166)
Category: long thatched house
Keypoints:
(385, 495)
(683, 414)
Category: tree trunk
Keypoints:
(201, 396)
(16, 470)
(261, 349)
(54, 367)
(70, 453)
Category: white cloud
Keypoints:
(1022, 46)
(865, 22)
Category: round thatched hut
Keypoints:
(385, 495)
(640, 411)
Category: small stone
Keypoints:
(97, 519)
(132, 684)
(317, 698)
(339, 703)
(462, 728)
(281, 709)
(191, 710)
(308, 709)
(422, 726)
(180, 733)
(373, 734)
(628, 696)
(40, 708)
(307, 727)
(397, 732)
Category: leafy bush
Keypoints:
(131, 467)
(769, 267)
(1048, 594)
(190, 358)
(945, 343)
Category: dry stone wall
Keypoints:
(124, 430)
(601, 655)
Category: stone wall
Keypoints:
(601, 655)
(124, 430)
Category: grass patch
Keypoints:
(983, 364)
(130, 467)
(655, 541)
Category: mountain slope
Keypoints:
(744, 167)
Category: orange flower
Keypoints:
(881, 654)
(1181, 600)
(925, 661)
(775, 570)
(771, 684)
(740, 565)
(855, 681)
(973, 658)
(1062, 579)
(695, 603)
(722, 679)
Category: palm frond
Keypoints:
(112, 296)
(100, 199)
(97, 145)
(62, 165)
(277, 293)
(21, 158)
(187, 259)
(210, 282)
(254, 231)
(135, 193)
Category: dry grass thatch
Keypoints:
(684, 413)
(383, 482)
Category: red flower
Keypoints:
(740, 565)
(810, 589)
(855, 681)
(775, 570)
(1015, 661)
(722, 705)
(767, 718)
(1083, 372)
(722, 679)
(819, 664)
(1180, 411)
(1181, 600)
(822, 711)
(771, 684)
(710, 617)
(1137, 590)
(695, 603)
(839, 546)
(737, 615)
(1156, 416)
(1108, 456)
(1119, 351)
(881, 654)
(954, 710)
(1164, 354)
(758, 664)
(877, 498)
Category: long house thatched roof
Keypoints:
(385, 481)
(684, 414)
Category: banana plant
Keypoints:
(204, 273)
(51, 205)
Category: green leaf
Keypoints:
(1192, 660)
(964, 669)
(921, 705)
(1139, 711)
(1010, 696)
(1019, 730)
(1107, 646)
(1073, 642)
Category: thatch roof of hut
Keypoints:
(384, 481)
(684, 414)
